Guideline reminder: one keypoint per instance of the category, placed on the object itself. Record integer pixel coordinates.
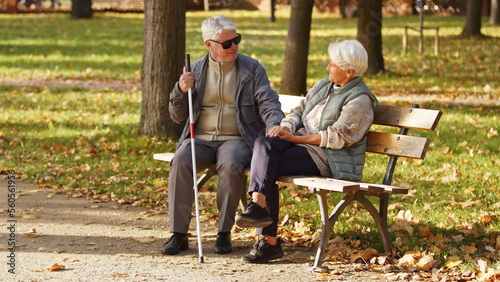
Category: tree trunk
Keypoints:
(370, 32)
(11, 7)
(495, 12)
(162, 62)
(473, 21)
(342, 8)
(81, 9)
(293, 80)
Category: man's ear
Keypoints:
(208, 44)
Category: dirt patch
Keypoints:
(109, 241)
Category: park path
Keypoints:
(109, 241)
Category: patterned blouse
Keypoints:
(354, 121)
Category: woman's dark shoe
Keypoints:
(253, 216)
(178, 242)
(223, 243)
(262, 252)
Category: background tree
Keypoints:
(473, 18)
(342, 6)
(495, 12)
(162, 62)
(81, 9)
(294, 76)
(370, 32)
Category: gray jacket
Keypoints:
(257, 105)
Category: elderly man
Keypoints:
(233, 104)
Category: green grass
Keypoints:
(86, 140)
(109, 47)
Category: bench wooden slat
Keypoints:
(327, 184)
(167, 157)
(386, 188)
(397, 145)
(288, 102)
(413, 118)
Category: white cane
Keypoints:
(193, 158)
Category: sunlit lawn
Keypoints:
(85, 140)
(109, 46)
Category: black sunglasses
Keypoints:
(228, 43)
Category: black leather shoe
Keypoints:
(178, 242)
(223, 243)
(253, 216)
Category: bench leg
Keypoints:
(380, 218)
(327, 223)
(205, 177)
(211, 172)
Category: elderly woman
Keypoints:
(324, 135)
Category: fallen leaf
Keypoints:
(408, 259)
(486, 217)
(468, 249)
(29, 216)
(492, 133)
(366, 255)
(55, 267)
(483, 265)
(453, 262)
(32, 235)
(469, 203)
(426, 231)
(300, 228)
(427, 262)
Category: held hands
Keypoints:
(186, 81)
(281, 132)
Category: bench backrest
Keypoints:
(402, 145)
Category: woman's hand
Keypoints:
(277, 131)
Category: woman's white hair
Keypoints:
(349, 54)
(212, 27)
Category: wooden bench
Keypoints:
(386, 143)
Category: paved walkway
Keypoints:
(109, 241)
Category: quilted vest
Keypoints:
(346, 163)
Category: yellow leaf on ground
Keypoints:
(453, 262)
(55, 267)
(492, 133)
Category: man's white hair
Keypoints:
(349, 54)
(212, 27)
